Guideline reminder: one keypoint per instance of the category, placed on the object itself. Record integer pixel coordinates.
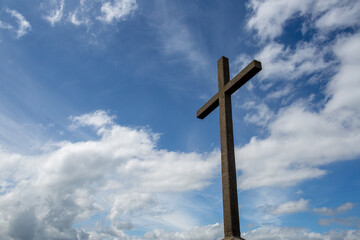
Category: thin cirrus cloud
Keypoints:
(55, 12)
(86, 12)
(332, 212)
(23, 26)
(175, 36)
(347, 221)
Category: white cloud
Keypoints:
(82, 14)
(24, 26)
(291, 207)
(331, 212)
(269, 17)
(280, 62)
(301, 140)
(97, 119)
(121, 175)
(344, 14)
(117, 10)
(344, 87)
(56, 11)
(348, 221)
(285, 65)
(280, 93)
(5, 25)
(215, 231)
(209, 232)
(261, 116)
(85, 12)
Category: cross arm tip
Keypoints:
(208, 107)
(200, 115)
(257, 64)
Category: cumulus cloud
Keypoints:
(209, 232)
(268, 17)
(97, 119)
(331, 212)
(215, 231)
(302, 140)
(121, 175)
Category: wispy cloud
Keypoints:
(348, 221)
(23, 25)
(331, 212)
(55, 11)
(118, 10)
(290, 207)
(268, 17)
(176, 38)
(87, 12)
(261, 114)
(5, 25)
(81, 15)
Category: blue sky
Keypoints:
(98, 131)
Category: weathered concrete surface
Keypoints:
(228, 168)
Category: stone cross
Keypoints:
(228, 169)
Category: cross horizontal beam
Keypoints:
(208, 107)
(240, 79)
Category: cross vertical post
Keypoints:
(228, 168)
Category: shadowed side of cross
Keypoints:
(228, 168)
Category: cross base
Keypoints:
(233, 238)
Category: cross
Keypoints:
(228, 169)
